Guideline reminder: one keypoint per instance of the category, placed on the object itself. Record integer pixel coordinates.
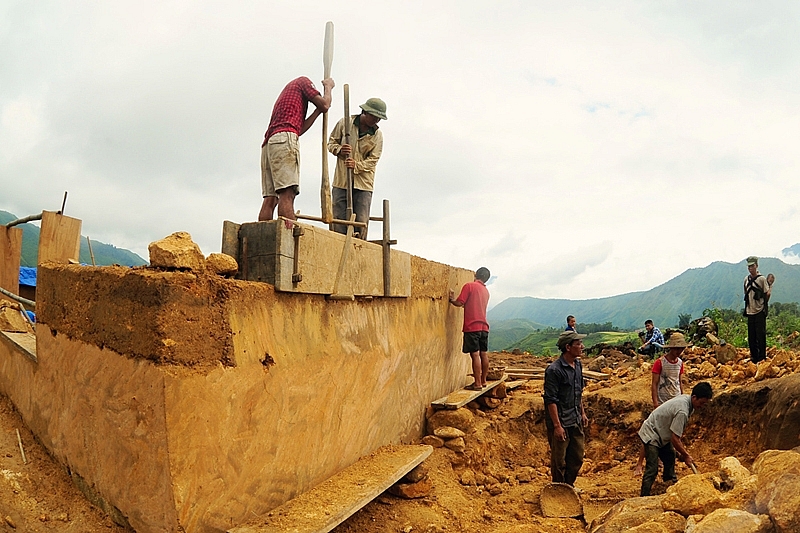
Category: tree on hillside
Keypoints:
(684, 321)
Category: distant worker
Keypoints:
(756, 295)
(571, 324)
(667, 371)
(565, 417)
(653, 340)
(368, 142)
(474, 298)
(661, 435)
(280, 151)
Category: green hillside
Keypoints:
(717, 285)
(543, 342)
(104, 254)
(504, 333)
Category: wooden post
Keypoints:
(347, 138)
(387, 251)
(10, 251)
(325, 189)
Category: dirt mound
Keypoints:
(494, 483)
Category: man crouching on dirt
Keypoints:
(661, 435)
(565, 418)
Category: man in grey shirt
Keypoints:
(662, 431)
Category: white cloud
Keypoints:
(576, 150)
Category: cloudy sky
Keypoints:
(577, 149)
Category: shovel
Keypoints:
(559, 500)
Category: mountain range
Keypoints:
(104, 254)
(717, 285)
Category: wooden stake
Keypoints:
(21, 449)
(91, 253)
(325, 189)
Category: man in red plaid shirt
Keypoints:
(280, 151)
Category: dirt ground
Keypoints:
(492, 486)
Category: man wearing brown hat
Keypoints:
(756, 296)
(361, 155)
(667, 371)
(565, 417)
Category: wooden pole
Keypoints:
(387, 251)
(347, 137)
(325, 189)
(91, 253)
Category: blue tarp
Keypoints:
(27, 276)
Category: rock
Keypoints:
(457, 445)
(742, 496)
(432, 440)
(11, 319)
(712, 339)
(462, 419)
(417, 474)
(649, 527)
(765, 370)
(411, 491)
(737, 376)
(628, 514)
(770, 467)
(672, 522)
(782, 413)
(693, 494)
(597, 364)
(448, 432)
(468, 477)
(725, 372)
(732, 472)
(496, 489)
(525, 474)
(222, 264)
(733, 520)
(725, 353)
(177, 251)
(784, 506)
(706, 370)
(780, 359)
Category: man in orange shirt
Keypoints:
(474, 298)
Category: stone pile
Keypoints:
(764, 500)
(179, 252)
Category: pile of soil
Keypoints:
(494, 484)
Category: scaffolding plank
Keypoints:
(462, 397)
(59, 238)
(333, 501)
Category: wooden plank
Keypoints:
(333, 501)
(462, 397)
(230, 239)
(514, 384)
(271, 250)
(59, 238)
(521, 370)
(25, 342)
(10, 251)
(513, 375)
(595, 375)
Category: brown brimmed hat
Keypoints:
(676, 340)
(567, 337)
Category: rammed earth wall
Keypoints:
(196, 402)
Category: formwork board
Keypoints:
(10, 249)
(266, 252)
(59, 238)
(326, 506)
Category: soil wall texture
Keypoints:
(191, 402)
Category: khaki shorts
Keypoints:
(280, 164)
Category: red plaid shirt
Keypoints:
(290, 109)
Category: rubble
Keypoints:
(177, 251)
